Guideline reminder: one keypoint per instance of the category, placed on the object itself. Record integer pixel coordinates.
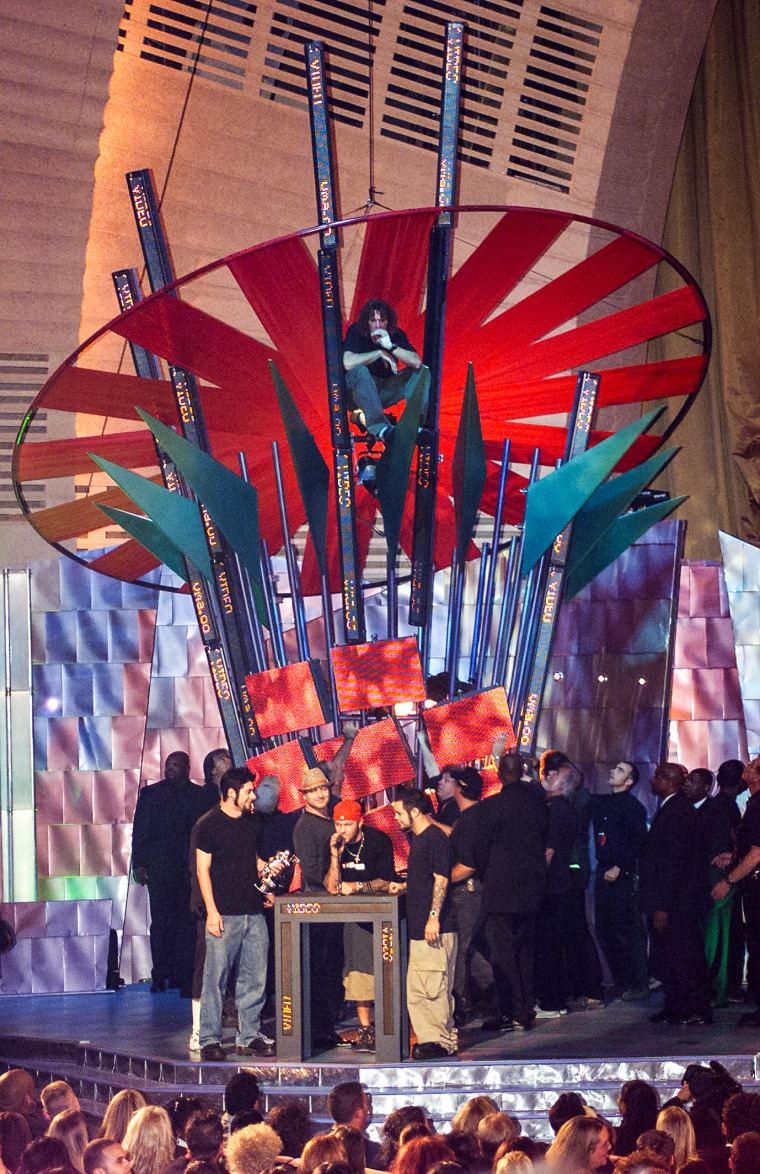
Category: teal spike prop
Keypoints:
(620, 535)
(609, 501)
(395, 464)
(176, 516)
(469, 468)
(232, 503)
(554, 501)
(148, 535)
(312, 473)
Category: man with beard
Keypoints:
(361, 861)
(430, 924)
(373, 349)
(228, 867)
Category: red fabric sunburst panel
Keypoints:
(107, 393)
(284, 699)
(287, 762)
(61, 458)
(377, 762)
(465, 730)
(393, 267)
(369, 675)
(384, 820)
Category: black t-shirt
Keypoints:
(465, 841)
(311, 840)
(233, 846)
(361, 344)
(429, 853)
(371, 860)
(620, 828)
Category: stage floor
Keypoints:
(158, 1026)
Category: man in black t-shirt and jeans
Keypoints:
(373, 348)
(228, 868)
(361, 861)
(430, 925)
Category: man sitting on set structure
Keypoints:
(373, 350)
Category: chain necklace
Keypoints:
(354, 858)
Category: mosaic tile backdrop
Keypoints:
(741, 569)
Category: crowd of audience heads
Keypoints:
(708, 1127)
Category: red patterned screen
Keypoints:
(287, 762)
(284, 699)
(368, 675)
(378, 760)
(464, 731)
(384, 819)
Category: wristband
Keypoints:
(434, 914)
(393, 347)
(729, 882)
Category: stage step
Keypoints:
(524, 1089)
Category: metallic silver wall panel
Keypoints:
(121, 848)
(197, 664)
(123, 641)
(105, 593)
(39, 638)
(46, 586)
(200, 742)
(77, 796)
(94, 917)
(137, 918)
(76, 696)
(61, 635)
(47, 965)
(134, 597)
(47, 694)
(76, 583)
(109, 797)
(170, 657)
(108, 689)
(126, 742)
(188, 702)
(48, 790)
(80, 965)
(61, 919)
(146, 631)
(114, 888)
(62, 743)
(97, 849)
(160, 703)
(16, 969)
(42, 853)
(95, 749)
(65, 842)
(92, 637)
(135, 689)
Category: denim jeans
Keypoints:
(245, 941)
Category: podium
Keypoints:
(293, 914)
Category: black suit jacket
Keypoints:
(513, 827)
(673, 874)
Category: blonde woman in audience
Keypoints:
(120, 1109)
(677, 1124)
(71, 1128)
(149, 1140)
(514, 1163)
(468, 1117)
(582, 1146)
(325, 1147)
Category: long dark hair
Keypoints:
(362, 322)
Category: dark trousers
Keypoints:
(172, 933)
(584, 964)
(511, 939)
(751, 909)
(554, 928)
(473, 976)
(677, 955)
(620, 930)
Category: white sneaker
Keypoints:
(541, 1014)
(194, 1043)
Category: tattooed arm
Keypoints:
(433, 927)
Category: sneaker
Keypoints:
(635, 994)
(541, 1014)
(194, 1043)
(212, 1054)
(260, 1045)
(366, 1040)
(429, 1051)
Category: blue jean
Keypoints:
(374, 396)
(244, 941)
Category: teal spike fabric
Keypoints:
(149, 536)
(394, 466)
(312, 473)
(469, 468)
(620, 535)
(177, 516)
(609, 501)
(232, 503)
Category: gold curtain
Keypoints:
(713, 227)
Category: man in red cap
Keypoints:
(361, 861)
